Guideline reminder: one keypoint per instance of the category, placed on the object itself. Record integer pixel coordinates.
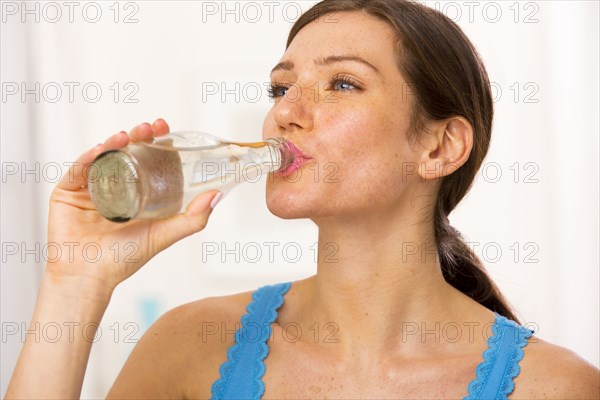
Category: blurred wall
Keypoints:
(532, 213)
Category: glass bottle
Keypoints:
(158, 179)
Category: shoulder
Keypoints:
(189, 319)
(549, 371)
(202, 323)
(180, 354)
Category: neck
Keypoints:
(376, 278)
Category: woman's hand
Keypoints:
(99, 252)
(91, 256)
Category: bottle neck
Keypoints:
(280, 151)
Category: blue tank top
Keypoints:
(241, 375)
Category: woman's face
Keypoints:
(350, 116)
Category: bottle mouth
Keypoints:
(289, 152)
(114, 186)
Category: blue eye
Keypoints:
(343, 82)
(276, 89)
(339, 80)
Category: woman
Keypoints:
(397, 98)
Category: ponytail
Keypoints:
(464, 270)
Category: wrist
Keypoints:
(76, 288)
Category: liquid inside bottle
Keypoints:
(159, 179)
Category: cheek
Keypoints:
(365, 175)
(362, 170)
(365, 142)
(383, 161)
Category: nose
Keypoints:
(293, 113)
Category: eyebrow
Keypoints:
(288, 65)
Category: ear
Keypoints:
(447, 149)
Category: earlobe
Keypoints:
(451, 149)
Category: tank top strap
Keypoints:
(241, 375)
(500, 365)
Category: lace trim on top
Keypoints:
(500, 365)
(261, 312)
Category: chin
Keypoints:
(291, 204)
(289, 201)
(287, 213)
(287, 208)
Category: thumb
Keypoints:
(195, 218)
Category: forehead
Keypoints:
(347, 33)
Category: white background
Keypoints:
(542, 58)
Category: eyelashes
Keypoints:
(275, 89)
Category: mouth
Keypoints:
(299, 160)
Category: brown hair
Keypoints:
(447, 78)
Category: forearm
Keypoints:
(54, 367)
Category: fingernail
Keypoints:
(216, 200)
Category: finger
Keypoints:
(141, 133)
(160, 127)
(195, 218)
(117, 141)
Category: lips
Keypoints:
(299, 159)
